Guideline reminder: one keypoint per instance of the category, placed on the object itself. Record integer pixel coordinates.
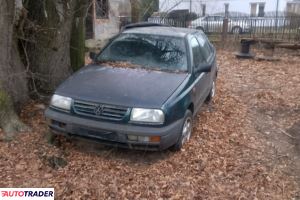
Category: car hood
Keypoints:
(121, 86)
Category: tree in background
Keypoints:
(36, 47)
(13, 75)
(141, 10)
(147, 8)
(49, 55)
(77, 48)
(135, 11)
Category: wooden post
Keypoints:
(224, 31)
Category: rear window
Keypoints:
(147, 51)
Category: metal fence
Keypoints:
(281, 28)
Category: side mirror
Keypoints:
(92, 55)
(204, 68)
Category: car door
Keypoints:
(199, 77)
(208, 53)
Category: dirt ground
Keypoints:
(245, 145)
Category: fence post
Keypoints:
(224, 30)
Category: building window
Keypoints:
(289, 8)
(261, 10)
(101, 9)
(253, 9)
(203, 9)
(293, 7)
(226, 9)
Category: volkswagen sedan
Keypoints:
(141, 91)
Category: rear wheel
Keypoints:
(186, 131)
(212, 93)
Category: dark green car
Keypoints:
(141, 91)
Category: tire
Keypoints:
(186, 131)
(236, 30)
(212, 93)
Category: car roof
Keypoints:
(161, 30)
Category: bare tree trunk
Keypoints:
(49, 53)
(13, 83)
(12, 71)
(135, 11)
(77, 49)
(9, 121)
(47, 32)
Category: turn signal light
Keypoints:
(155, 139)
(143, 138)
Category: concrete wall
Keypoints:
(106, 28)
(217, 6)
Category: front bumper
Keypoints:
(110, 133)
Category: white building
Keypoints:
(249, 7)
(104, 18)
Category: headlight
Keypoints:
(147, 115)
(61, 102)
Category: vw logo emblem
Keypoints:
(98, 110)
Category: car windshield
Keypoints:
(147, 51)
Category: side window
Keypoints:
(218, 18)
(197, 55)
(205, 47)
(210, 18)
(207, 40)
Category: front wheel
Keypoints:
(186, 131)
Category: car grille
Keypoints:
(101, 111)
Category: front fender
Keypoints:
(177, 104)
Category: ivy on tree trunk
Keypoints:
(77, 48)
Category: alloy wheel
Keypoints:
(186, 130)
(213, 90)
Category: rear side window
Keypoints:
(206, 49)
